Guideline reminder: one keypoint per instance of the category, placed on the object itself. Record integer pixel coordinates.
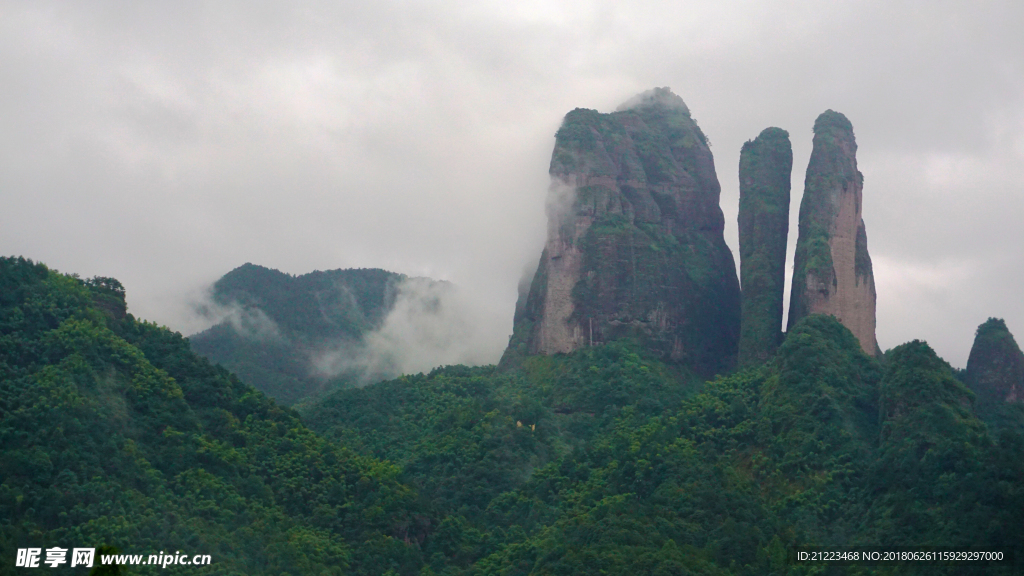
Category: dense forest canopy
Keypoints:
(603, 461)
(115, 432)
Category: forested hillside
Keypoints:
(603, 461)
(278, 325)
(616, 469)
(113, 432)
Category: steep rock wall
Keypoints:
(766, 166)
(832, 269)
(635, 242)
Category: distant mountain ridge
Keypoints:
(276, 326)
(331, 304)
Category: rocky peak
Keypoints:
(766, 165)
(635, 241)
(832, 269)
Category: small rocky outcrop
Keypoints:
(995, 368)
(832, 269)
(635, 243)
(766, 166)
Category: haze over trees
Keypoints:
(294, 337)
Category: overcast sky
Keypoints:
(165, 143)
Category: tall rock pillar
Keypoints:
(832, 270)
(635, 243)
(766, 166)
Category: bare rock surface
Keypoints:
(832, 269)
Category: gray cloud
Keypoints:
(166, 143)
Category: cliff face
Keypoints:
(832, 269)
(635, 245)
(995, 368)
(766, 165)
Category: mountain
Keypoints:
(635, 241)
(832, 269)
(295, 336)
(113, 432)
(766, 164)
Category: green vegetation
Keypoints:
(324, 304)
(620, 468)
(279, 324)
(766, 164)
(114, 432)
(861, 258)
(579, 144)
(465, 436)
(995, 373)
(651, 144)
(944, 478)
(604, 461)
(579, 127)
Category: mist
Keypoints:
(431, 324)
(248, 322)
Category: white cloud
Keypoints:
(431, 324)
